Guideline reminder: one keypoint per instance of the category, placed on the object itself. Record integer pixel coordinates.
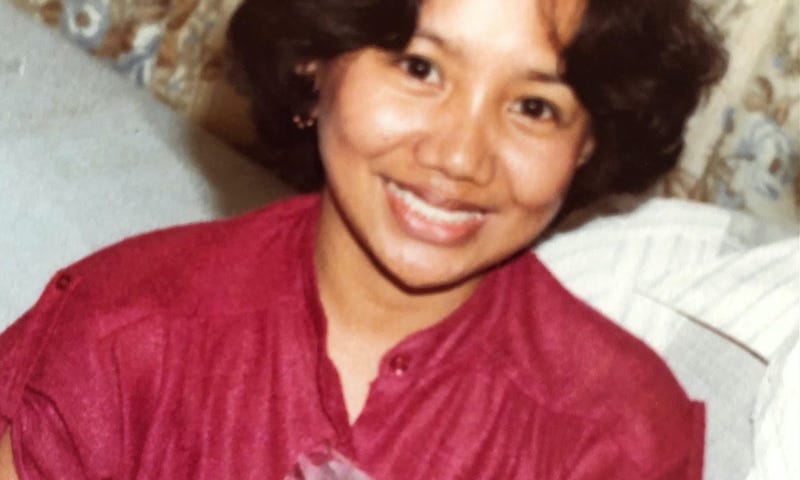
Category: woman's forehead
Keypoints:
(504, 22)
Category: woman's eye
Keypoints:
(538, 109)
(420, 68)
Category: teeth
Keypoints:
(428, 211)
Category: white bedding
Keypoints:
(777, 416)
(85, 160)
(751, 295)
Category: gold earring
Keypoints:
(303, 123)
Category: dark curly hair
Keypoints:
(639, 67)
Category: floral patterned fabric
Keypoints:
(173, 47)
(743, 146)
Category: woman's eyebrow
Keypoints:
(545, 77)
(439, 41)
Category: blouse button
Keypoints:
(63, 281)
(398, 364)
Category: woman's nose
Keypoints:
(457, 144)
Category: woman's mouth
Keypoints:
(431, 218)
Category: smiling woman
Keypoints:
(469, 135)
(394, 323)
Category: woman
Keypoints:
(394, 322)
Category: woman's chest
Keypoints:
(265, 421)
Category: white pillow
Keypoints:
(777, 417)
(752, 296)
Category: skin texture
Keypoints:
(6, 461)
(482, 124)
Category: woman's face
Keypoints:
(449, 157)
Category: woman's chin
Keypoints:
(429, 277)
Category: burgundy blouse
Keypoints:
(198, 352)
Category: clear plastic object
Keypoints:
(325, 463)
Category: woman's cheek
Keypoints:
(374, 119)
(540, 175)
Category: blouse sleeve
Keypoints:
(610, 456)
(21, 346)
(58, 391)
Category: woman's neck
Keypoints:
(367, 312)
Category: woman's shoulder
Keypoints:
(565, 332)
(216, 266)
(122, 304)
(170, 272)
(176, 245)
(179, 268)
(576, 360)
